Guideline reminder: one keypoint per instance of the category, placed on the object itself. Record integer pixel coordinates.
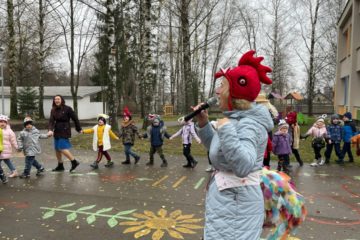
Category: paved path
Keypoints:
(126, 202)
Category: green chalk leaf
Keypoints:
(67, 205)
(71, 217)
(112, 222)
(86, 208)
(104, 210)
(49, 214)
(90, 219)
(126, 212)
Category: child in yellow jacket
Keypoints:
(101, 140)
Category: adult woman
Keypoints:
(234, 202)
(59, 127)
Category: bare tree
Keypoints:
(11, 59)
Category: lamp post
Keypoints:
(2, 81)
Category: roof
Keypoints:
(294, 95)
(51, 91)
(275, 95)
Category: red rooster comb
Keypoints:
(126, 112)
(249, 59)
(245, 79)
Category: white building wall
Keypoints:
(86, 109)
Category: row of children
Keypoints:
(27, 141)
(286, 140)
(102, 133)
(155, 132)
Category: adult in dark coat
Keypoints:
(59, 127)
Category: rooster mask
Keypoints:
(245, 79)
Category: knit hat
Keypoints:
(244, 80)
(27, 120)
(103, 117)
(282, 124)
(126, 112)
(291, 118)
(334, 116)
(348, 115)
(321, 118)
(4, 118)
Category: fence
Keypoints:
(318, 109)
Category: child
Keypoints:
(319, 133)
(3, 178)
(261, 99)
(101, 140)
(127, 132)
(349, 130)
(29, 144)
(294, 131)
(156, 133)
(281, 146)
(335, 134)
(8, 142)
(187, 132)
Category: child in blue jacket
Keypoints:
(335, 135)
(349, 130)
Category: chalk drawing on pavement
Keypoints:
(92, 215)
(161, 224)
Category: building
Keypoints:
(347, 83)
(88, 107)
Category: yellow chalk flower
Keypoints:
(175, 224)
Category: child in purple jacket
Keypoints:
(281, 146)
(187, 132)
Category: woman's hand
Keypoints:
(202, 117)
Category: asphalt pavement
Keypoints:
(140, 202)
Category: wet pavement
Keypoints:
(140, 202)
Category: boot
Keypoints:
(59, 168)
(194, 163)
(13, 174)
(40, 171)
(301, 163)
(3, 178)
(74, 164)
(164, 163)
(188, 165)
(127, 161)
(109, 164)
(95, 165)
(137, 159)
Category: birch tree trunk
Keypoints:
(41, 59)
(11, 59)
(112, 93)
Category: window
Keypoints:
(348, 40)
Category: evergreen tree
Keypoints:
(28, 101)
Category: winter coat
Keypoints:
(187, 132)
(349, 130)
(236, 148)
(128, 131)
(29, 141)
(9, 141)
(335, 133)
(281, 143)
(59, 121)
(294, 131)
(101, 138)
(317, 132)
(162, 133)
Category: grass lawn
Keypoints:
(175, 146)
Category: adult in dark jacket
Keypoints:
(59, 127)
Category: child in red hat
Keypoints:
(127, 133)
